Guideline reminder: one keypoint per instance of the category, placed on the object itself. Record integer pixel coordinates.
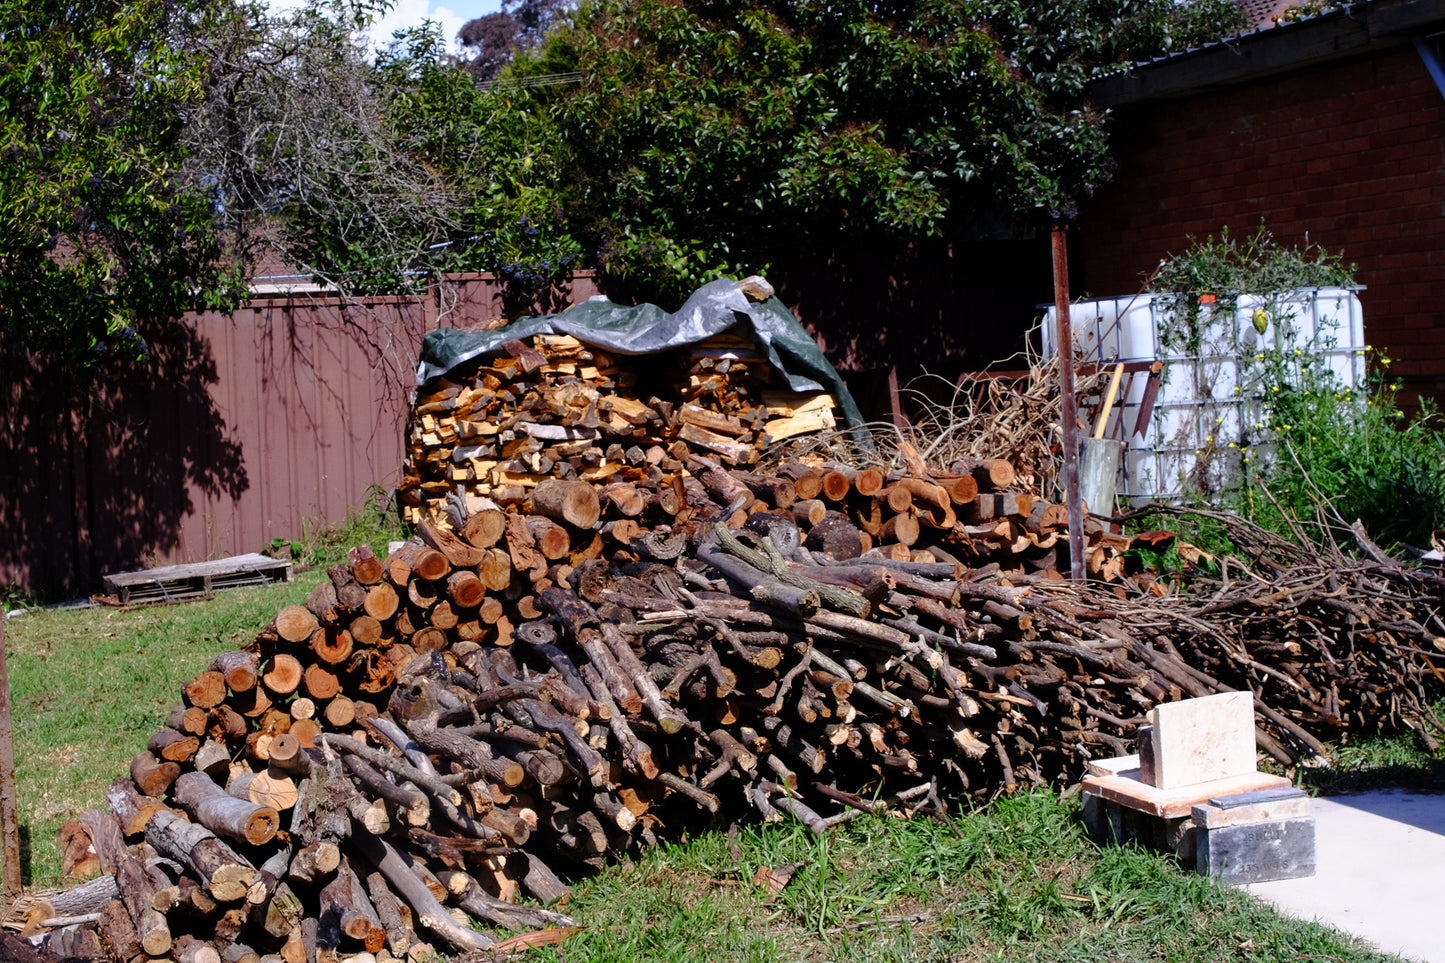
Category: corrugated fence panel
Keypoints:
(38, 468)
(235, 430)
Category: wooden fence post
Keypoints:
(1068, 404)
(9, 796)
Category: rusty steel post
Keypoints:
(1069, 404)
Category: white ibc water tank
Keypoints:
(1185, 446)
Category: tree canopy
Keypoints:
(703, 132)
(99, 228)
(495, 38)
(372, 172)
(153, 147)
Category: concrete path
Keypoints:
(1380, 860)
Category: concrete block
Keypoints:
(1267, 805)
(1257, 852)
(1111, 824)
(1198, 740)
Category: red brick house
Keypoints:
(1330, 128)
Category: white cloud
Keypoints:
(410, 13)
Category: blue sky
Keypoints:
(451, 14)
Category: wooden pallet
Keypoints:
(172, 583)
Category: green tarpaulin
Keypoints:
(646, 329)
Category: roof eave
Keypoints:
(1336, 35)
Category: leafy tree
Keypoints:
(98, 229)
(492, 38)
(496, 38)
(495, 152)
(705, 131)
(151, 145)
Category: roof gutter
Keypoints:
(1431, 56)
(1337, 35)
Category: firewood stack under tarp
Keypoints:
(640, 407)
(554, 408)
(544, 404)
(973, 512)
(482, 713)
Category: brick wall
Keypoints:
(1351, 155)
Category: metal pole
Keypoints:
(1069, 405)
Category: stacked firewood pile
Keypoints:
(975, 511)
(482, 713)
(552, 407)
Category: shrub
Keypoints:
(1343, 455)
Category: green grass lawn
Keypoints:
(1016, 880)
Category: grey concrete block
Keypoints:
(1258, 797)
(1257, 852)
(1111, 824)
(1267, 805)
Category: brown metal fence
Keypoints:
(243, 428)
(236, 429)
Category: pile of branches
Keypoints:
(726, 673)
(1330, 641)
(984, 415)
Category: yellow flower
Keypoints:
(1233, 445)
(1209, 438)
